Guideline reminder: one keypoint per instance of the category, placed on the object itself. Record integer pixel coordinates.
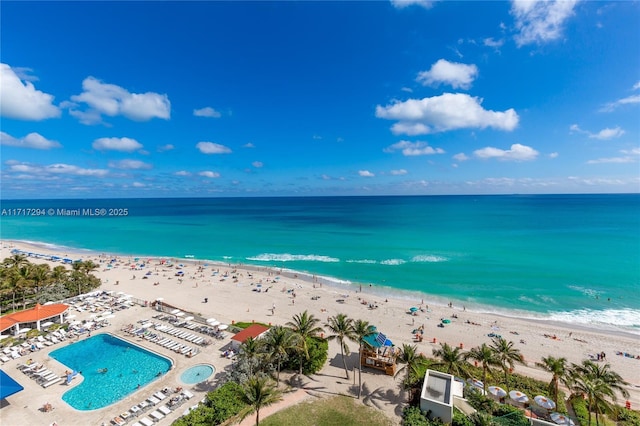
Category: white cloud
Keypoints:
(636, 86)
(540, 21)
(206, 112)
(182, 173)
(410, 149)
(399, 172)
(629, 100)
(138, 185)
(630, 156)
(325, 177)
(209, 174)
(604, 134)
(448, 111)
(490, 42)
(460, 157)
(212, 148)
(517, 152)
(112, 100)
(554, 155)
(455, 74)
(257, 164)
(620, 160)
(165, 148)
(401, 4)
(130, 165)
(55, 169)
(365, 173)
(21, 100)
(32, 140)
(116, 144)
(248, 145)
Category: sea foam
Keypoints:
(429, 258)
(287, 257)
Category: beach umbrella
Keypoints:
(446, 321)
(210, 320)
(497, 391)
(413, 309)
(518, 396)
(189, 318)
(223, 327)
(544, 402)
(476, 383)
(214, 323)
(179, 314)
(175, 311)
(561, 419)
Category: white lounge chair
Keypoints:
(160, 396)
(165, 410)
(52, 382)
(156, 415)
(153, 400)
(146, 421)
(187, 394)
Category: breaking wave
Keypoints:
(286, 257)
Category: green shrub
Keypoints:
(628, 417)
(580, 408)
(460, 419)
(221, 404)
(318, 353)
(413, 416)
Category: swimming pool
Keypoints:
(112, 369)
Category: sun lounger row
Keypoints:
(40, 374)
(157, 412)
(181, 334)
(164, 341)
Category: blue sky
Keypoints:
(143, 99)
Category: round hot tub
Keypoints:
(197, 373)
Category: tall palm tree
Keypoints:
(598, 384)
(40, 276)
(507, 355)
(452, 359)
(59, 274)
(16, 261)
(408, 356)
(342, 328)
(486, 357)
(559, 370)
(304, 325)
(278, 342)
(25, 282)
(361, 330)
(250, 351)
(258, 392)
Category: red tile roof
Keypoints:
(254, 331)
(38, 312)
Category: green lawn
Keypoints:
(339, 410)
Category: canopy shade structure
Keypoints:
(377, 340)
(8, 386)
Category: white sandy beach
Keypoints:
(231, 297)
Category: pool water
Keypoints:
(197, 373)
(112, 369)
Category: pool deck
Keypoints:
(24, 408)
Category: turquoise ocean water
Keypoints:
(570, 258)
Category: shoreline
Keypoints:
(261, 294)
(337, 284)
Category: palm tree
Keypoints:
(342, 328)
(24, 280)
(361, 329)
(16, 261)
(485, 356)
(59, 274)
(452, 359)
(40, 276)
(250, 351)
(507, 355)
(597, 384)
(257, 393)
(409, 356)
(278, 341)
(304, 325)
(558, 368)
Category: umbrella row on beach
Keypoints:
(519, 397)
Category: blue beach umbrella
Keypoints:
(8, 386)
(413, 309)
